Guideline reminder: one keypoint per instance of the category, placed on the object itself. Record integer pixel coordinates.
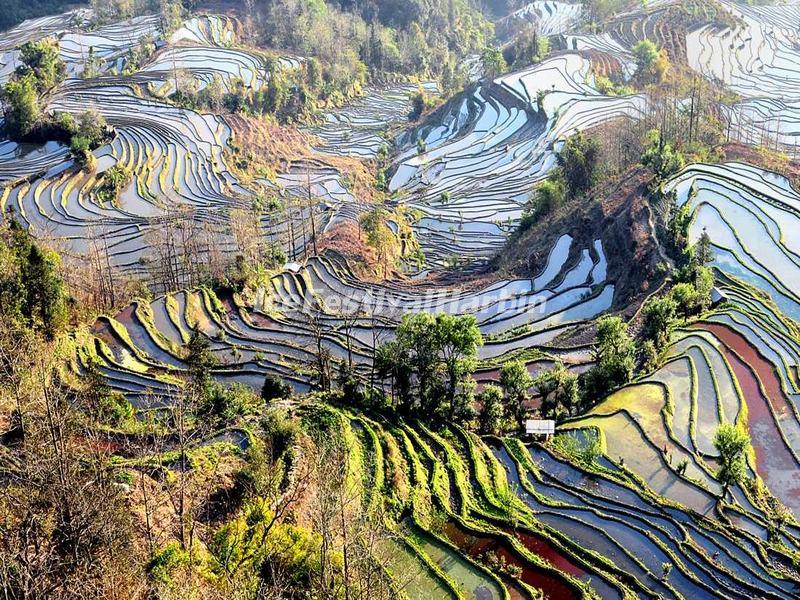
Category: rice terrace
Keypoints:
(421, 299)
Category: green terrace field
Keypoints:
(470, 512)
(218, 222)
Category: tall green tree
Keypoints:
(652, 64)
(21, 108)
(45, 298)
(493, 61)
(430, 363)
(732, 444)
(659, 318)
(578, 161)
(558, 388)
(516, 383)
(459, 339)
(199, 362)
(702, 252)
(614, 357)
(492, 412)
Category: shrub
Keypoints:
(732, 443)
(115, 409)
(652, 64)
(114, 179)
(275, 388)
(420, 102)
(661, 157)
(578, 160)
(165, 561)
(279, 432)
(226, 403)
(21, 106)
(547, 197)
(42, 60)
(659, 317)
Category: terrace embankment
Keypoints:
(765, 159)
(668, 23)
(274, 148)
(616, 213)
(767, 405)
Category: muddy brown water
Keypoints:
(476, 545)
(775, 462)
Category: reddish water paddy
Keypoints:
(775, 463)
(476, 545)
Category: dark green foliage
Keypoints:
(20, 106)
(678, 220)
(527, 48)
(559, 391)
(578, 161)
(103, 404)
(81, 150)
(614, 354)
(114, 179)
(693, 294)
(92, 125)
(275, 388)
(42, 60)
(350, 385)
(116, 410)
(320, 422)
(31, 291)
(584, 450)
(287, 95)
(420, 102)
(280, 432)
(89, 132)
(599, 11)
(493, 62)
(430, 365)
(732, 444)
(199, 362)
(492, 412)
(702, 253)
(659, 318)
(165, 561)
(224, 404)
(41, 68)
(547, 197)
(516, 383)
(660, 156)
(354, 38)
(16, 11)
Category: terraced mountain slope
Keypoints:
(738, 365)
(474, 517)
(141, 348)
(485, 150)
(569, 531)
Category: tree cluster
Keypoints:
(691, 295)
(430, 364)
(32, 294)
(356, 38)
(652, 63)
(40, 69)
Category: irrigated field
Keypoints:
(474, 517)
